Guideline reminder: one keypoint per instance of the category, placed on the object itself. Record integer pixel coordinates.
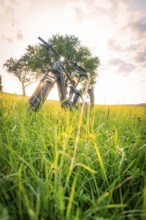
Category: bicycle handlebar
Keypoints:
(50, 46)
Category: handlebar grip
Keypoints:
(44, 42)
(80, 68)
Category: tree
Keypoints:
(70, 47)
(29, 67)
(1, 87)
(22, 68)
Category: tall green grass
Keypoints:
(69, 165)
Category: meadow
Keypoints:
(71, 165)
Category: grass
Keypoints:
(64, 165)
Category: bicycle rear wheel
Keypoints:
(40, 98)
(87, 98)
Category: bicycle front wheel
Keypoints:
(40, 98)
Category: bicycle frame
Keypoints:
(59, 78)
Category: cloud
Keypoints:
(125, 36)
(7, 39)
(126, 68)
(136, 28)
(94, 10)
(5, 9)
(114, 45)
(141, 56)
(141, 25)
(122, 66)
(19, 35)
(137, 5)
(127, 43)
(143, 81)
(43, 4)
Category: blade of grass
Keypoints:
(85, 167)
(71, 198)
(144, 202)
(77, 139)
(101, 163)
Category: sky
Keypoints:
(113, 30)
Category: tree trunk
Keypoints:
(23, 89)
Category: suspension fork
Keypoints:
(38, 88)
(61, 87)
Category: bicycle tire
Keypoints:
(77, 103)
(41, 97)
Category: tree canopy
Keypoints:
(36, 58)
(70, 47)
(23, 68)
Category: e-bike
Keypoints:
(73, 88)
